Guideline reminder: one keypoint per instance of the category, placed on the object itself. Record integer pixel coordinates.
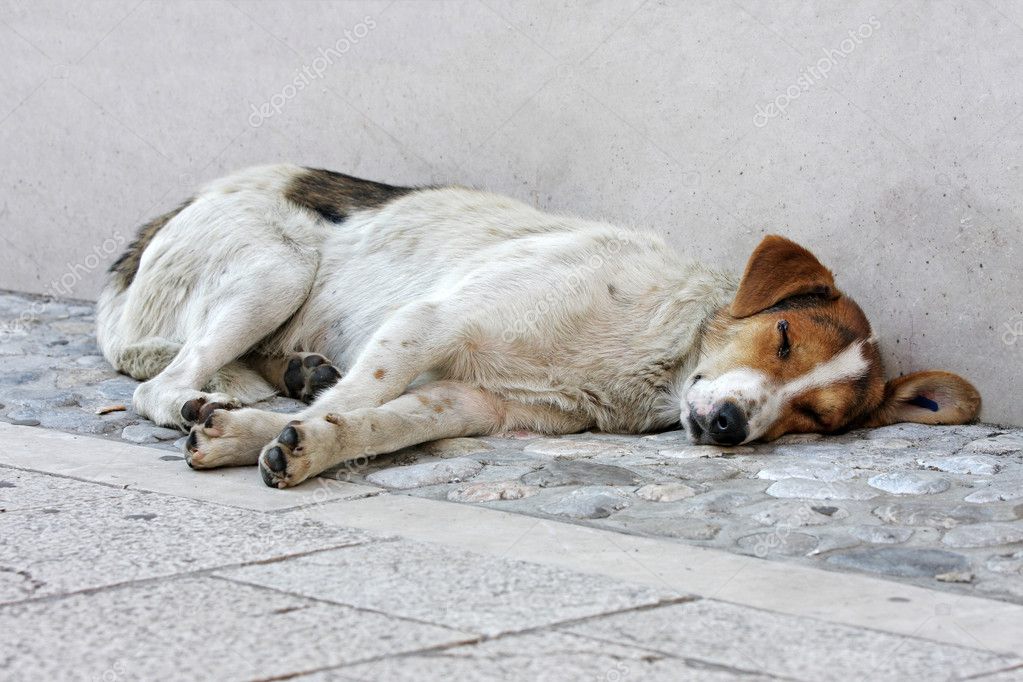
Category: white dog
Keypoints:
(407, 315)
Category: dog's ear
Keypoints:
(779, 269)
(927, 398)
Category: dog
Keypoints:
(405, 315)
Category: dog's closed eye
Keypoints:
(785, 346)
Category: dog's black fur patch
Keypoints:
(335, 195)
(126, 266)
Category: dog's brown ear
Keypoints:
(927, 398)
(779, 269)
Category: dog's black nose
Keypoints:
(727, 425)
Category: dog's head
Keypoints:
(792, 354)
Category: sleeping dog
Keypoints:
(403, 315)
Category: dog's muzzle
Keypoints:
(725, 425)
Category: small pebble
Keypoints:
(492, 491)
(955, 577)
(666, 492)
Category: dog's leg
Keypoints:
(409, 343)
(148, 358)
(442, 409)
(237, 316)
(145, 359)
(302, 376)
(234, 438)
(176, 396)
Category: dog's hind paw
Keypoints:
(308, 374)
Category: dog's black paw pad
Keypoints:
(294, 378)
(288, 437)
(314, 360)
(306, 376)
(268, 477)
(323, 377)
(283, 460)
(207, 410)
(276, 461)
(190, 410)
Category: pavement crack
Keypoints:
(1016, 667)
(198, 573)
(321, 503)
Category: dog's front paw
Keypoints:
(224, 437)
(301, 450)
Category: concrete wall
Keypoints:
(886, 136)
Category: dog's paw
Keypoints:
(198, 409)
(303, 449)
(223, 437)
(284, 461)
(308, 374)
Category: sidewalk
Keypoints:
(118, 565)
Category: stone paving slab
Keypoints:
(453, 588)
(803, 591)
(780, 645)
(550, 657)
(84, 538)
(23, 490)
(197, 629)
(839, 503)
(147, 469)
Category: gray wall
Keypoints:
(886, 136)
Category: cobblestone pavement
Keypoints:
(939, 507)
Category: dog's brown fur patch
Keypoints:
(126, 267)
(336, 195)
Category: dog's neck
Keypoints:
(690, 310)
(695, 304)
